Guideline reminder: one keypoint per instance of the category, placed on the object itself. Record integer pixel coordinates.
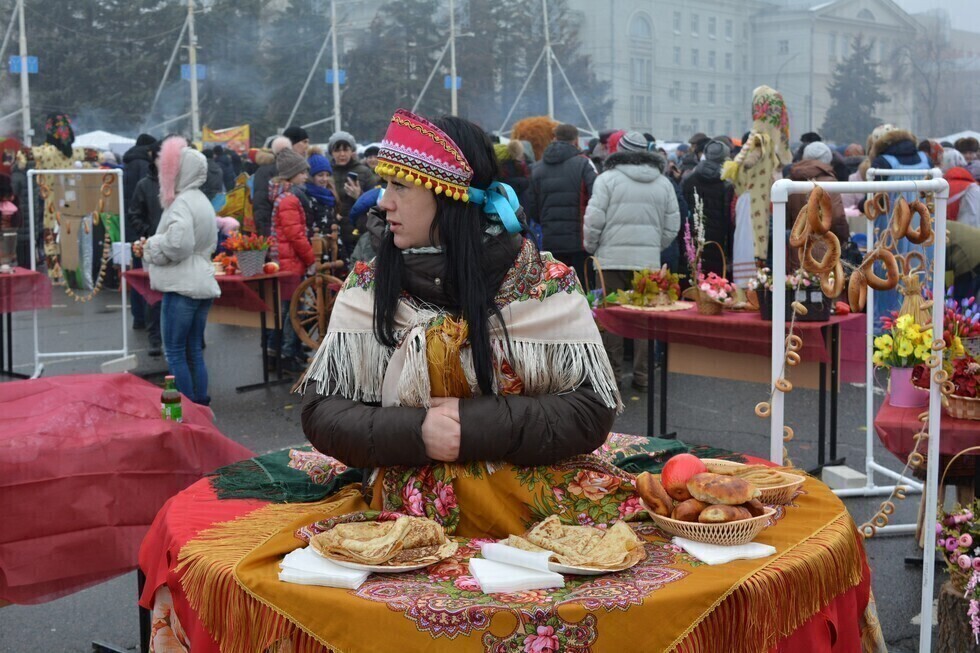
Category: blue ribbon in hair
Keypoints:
(498, 199)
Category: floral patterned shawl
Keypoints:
(769, 116)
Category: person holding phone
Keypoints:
(351, 177)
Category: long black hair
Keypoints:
(459, 229)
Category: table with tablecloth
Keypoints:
(20, 290)
(211, 568)
(244, 301)
(86, 462)
(738, 342)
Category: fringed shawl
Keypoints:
(553, 344)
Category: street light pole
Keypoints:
(336, 70)
(25, 95)
(548, 55)
(192, 60)
(453, 110)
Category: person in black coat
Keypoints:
(214, 185)
(561, 186)
(136, 163)
(142, 218)
(716, 197)
(223, 160)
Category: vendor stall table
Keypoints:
(85, 463)
(439, 609)
(20, 290)
(737, 334)
(238, 305)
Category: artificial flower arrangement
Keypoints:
(247, 243)
(650, 288)
(717, 288)
(800, 279)
(905, 344)
(958, 539)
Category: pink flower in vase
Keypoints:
(951, 544)
(964, 562)
(544, 642)
(965, 541)
(976, 564)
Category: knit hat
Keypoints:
(296, 134)
(289, 164)
(145, 139)
(717, 152)
(318, 164)
(371, 150)
(818, 151)
(341, 137)
(417, 151)
(633, 142)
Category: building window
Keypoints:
(641, 69)
(641, 110)
(677, 22)
(675, 91)
(677, 129)
(695, 22)
(711, 94)
(694, 92)
(711, 127)
(782, 47)
(728, 94)
(832, 46)
(712, 27)
(729, 29)
(641, 28)
(695, 57)
(677, 56)
(728, 61)
(711, 59)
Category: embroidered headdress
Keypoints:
(417, 151)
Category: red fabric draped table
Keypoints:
(836, 628)
(20, 290)
(244, 301)
(693, 341)
(86, 462)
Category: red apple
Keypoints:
(270, 268)
(677, 472)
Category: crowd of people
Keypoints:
(618, 202)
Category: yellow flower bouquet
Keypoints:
(906, 344)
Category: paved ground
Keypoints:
(702, 410)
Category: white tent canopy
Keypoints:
(952, 138)
(102, 140)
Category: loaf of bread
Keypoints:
(716, 488)
(653, 494)
(688, 510)
(755, 507)
(723, 514)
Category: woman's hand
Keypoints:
(440, 429)
(352, 188)
(138, 247)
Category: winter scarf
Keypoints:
(320, 194)
(59, 133)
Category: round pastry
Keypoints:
(801, 229)
(819, 211)
(653, 494)
(688, 510)
(755, 507)
(830, 257)
(922, 234)
(891, 269)
(723, 514)
(857, 291)
(877, 205)
(833, 287)
(901, 218)
(717, 488)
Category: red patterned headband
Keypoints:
(417, 151)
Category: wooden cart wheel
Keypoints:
(311, 305)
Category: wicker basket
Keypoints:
(250, 262)
(777, 495)
(963, 407)
(730, 534)
(706, 305)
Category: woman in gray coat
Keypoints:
(631, 217)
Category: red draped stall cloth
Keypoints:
(20, 290)
(86, 462)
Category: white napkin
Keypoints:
(518, 557)
(715, 554)
(499, 577)
(305, 567)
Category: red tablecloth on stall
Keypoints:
(897, 426)
(86, 462)
(24, 290)
(834, 629)
(236, 290)
(745, 333)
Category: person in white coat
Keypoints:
(631, 217)
(178, 258)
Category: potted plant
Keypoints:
(250, 252)
(900, 349)
(801, 287)
(711, 292)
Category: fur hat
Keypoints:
(818, 150)
(289, 164)
(296, 134)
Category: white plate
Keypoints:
(381, 569)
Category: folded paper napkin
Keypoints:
(517, 557)
(304, 567)
(716, 554)
(501, 577)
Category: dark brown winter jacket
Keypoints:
(522, 430)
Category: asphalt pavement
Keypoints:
(702, 410)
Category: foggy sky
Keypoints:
(965, 13)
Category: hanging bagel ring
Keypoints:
(794, 342)
(938, 344)
(819, 211)
(924, 232)
(784, 385)
(891, 270)
(833, 287)
(799, 308)
(901, 218)
(792, 358)
(830, 257)
(868, 531)
(919, 258)
(876, 206)
(948, 388)
(801, 229)
(941, 376)
(763, 409)
(933, 361)
(857, 291)
(788, 433)
(888, 507)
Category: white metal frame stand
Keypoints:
(124, 351)
(780, 193)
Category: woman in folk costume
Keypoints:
(462, 352)
(764, 153)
